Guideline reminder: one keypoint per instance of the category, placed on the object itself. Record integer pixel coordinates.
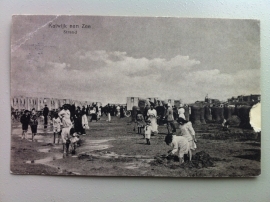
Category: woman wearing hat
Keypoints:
(181, 112)
(187, 131)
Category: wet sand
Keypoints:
(113, 149)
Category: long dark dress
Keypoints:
(25, 119)
(78, 121)
(122, 115)
(33, 123)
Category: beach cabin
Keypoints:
(32, 103)
(132, 101)
(15, 102)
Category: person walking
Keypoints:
(56, 128)
(25, 119)
(181, 112)
(33, 124)
(84, 123)
(78, 120)
(45, 114)
(140, 121)
(64, 114)
(147, 132)
(109, 112)
(122, 115)
(118, 111)
(152, 116)
(170, 120)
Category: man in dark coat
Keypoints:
(45, 114)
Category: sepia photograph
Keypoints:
(135, 96)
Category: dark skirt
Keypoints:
(78, 125)
(34, 128)
(24, 126)
(93, 117)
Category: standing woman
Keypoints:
(118, 110)
(109, 112)
(187, 131)
(152, 116)
(181, 112)
(140, 121)
(33, 124)
(84, 123)
(67, 125)
(78, 120)
(122, 115)
(99, 112)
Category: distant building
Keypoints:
(211, 100)
(245, 98)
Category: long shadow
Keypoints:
(256, 156)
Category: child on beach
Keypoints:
(56, 128)
(25, 119)
(140, 121)
(147, 132)
(180, 145)
(84, 123)
(33, 124)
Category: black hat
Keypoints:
(181, 120)
(168, 139)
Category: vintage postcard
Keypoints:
(135, 96)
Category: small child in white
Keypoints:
(56, 128)
(147, 132)
(73, 140)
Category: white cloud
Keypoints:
(118, 76)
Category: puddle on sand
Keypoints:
(114, 155)
(41, 138)
(18, 131)
(141, 163)
(93, 145)
(45, 150)
(47, 159)
(30, 140)
(89, 145)
(140, 160)
(75, 173)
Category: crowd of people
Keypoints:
(69, 122)
(182, 142)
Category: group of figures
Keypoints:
(69, 121)
(182, 142)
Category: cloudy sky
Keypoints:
(121, 57)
